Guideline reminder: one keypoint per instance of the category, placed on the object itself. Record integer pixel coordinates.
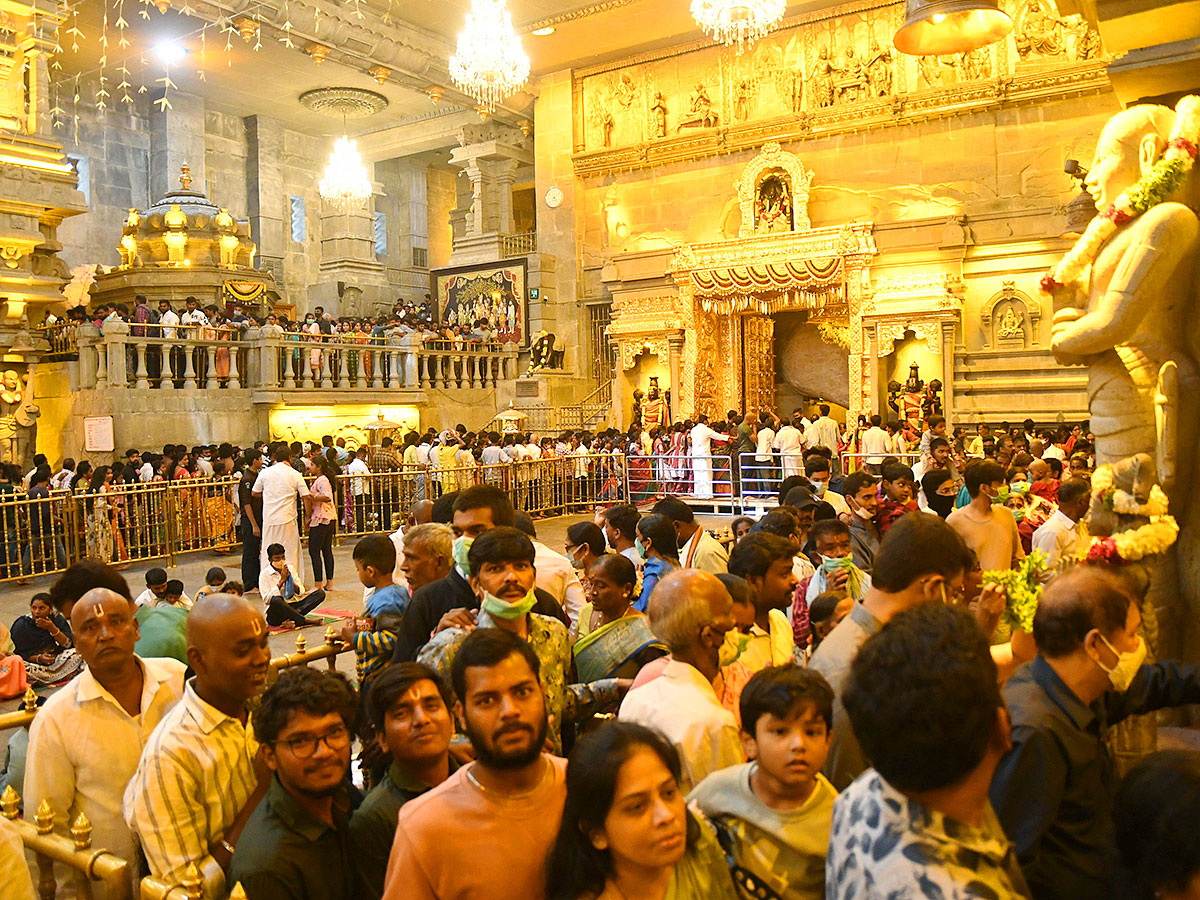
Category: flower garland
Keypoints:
(1022, 589)
(1153, 538)
(1163, 179)
(1123, 502)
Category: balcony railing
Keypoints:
(215, 360)
(521, 244)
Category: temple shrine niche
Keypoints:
(182, 246)
(1010, 319)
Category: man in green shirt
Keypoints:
(296, 844)
(409, 705)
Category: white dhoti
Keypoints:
(286, 533)
(702, 484)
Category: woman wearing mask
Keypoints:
(626, 831)
(657, 544)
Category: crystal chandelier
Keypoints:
(737, 21)
(345, 184)
(489, 63)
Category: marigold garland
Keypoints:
(1163, 179)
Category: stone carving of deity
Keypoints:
(976, 64)
(742, 95)
(702, 115)
(879, 70)
(822, 79)
(18, 417)
(1040, 31)
(1011, 322)
(658, 113)
(853, 79)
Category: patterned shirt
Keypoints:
(195, 775)
(886, 845)
(565, 702)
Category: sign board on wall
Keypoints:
(98, 434)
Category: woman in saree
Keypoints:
(660, 446)
(96, 509)
(640, 472)
(614, 640)
(42, 638)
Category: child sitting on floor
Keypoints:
(214, 583)
(774, 813)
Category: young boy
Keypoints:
(776, 811)
(173, 595)
(283, 593)
(214, 583)
(765, 562)
(374, 637)
(898, 489)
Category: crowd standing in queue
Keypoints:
(823, 700)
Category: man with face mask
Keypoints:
(502, 576)
(920, 560)
(939, 490)
(450, 600)
(986, 524)
(819, 471)
(863, 500)
(1054, 790)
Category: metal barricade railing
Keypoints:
(88, 866)
(852, 462)
(63, 340)
(708, 479)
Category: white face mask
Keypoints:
(1128, 664)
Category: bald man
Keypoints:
(690, 611)
(201, 776)
(84, 745)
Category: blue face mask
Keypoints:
(462, 546)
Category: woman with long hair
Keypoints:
(322, 523)
(96, 516)
(657, 544)
(626, 831)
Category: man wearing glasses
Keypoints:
(297, 842)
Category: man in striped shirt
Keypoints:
(201, 774)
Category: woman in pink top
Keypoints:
(322, 523)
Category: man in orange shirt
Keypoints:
(487, 829)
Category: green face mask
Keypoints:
(462, 546)
(734, 645)
(502, 609)
(832, 563)
(1001, 495)
(641, 548)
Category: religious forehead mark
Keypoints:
(259, 626)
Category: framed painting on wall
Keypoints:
(492, 292)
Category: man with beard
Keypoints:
(296, 844)
(486, 830)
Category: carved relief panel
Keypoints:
(758, 362)
(1010, 319)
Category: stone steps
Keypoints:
(1011, 385)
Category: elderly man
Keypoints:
(200, 776)
(426, 555)
(84, 745)
(1054, 790)
(690, 612)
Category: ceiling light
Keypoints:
(934, 27)
(542, 32)
(170, 52)
(738, 21)
(345, 184)
(489, 63)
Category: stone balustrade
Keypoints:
(283, 362)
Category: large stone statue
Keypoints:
(1130, 318)
(18, 418)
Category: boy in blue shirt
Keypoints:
(374, 637)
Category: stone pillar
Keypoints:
(176, 137)
(674, 364)
(490, 155)
(948, 372)
(265, 195)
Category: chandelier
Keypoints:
(345, 184)
(489, 63)
(737, 21)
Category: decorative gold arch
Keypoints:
(774, 157)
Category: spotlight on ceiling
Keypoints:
(933, 27)
(170, 52)
(542, 32)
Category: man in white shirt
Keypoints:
(764, 471)
(790, 443)
(280, 486)
(62, 478)
(690, 612)
(156, 591)
(875, 445)
(702, 469)
(85, 743)
(359, 486)
(824, 433)
(697, 548)
(204, 461)
(1062, 537)
(198, 780)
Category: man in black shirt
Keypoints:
(1054, 790)
(251, 508)
(450, 600)
(45, 551)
